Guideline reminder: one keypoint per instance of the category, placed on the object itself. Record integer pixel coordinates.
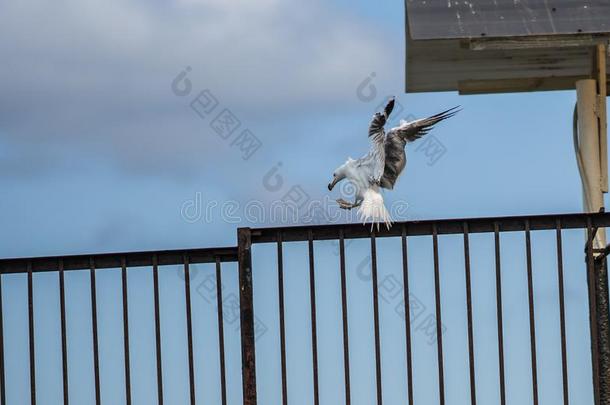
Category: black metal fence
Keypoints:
(596, 279)
(123, 261)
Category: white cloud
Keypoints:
(93, 72)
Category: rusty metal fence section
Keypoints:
(596, 280)
(597, 289)
(123, 261)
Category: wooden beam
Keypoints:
(450, 65)
(518, 85)
(534, 42)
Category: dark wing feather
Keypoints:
(413, 130)
(377, 137)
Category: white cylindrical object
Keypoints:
(588, 135)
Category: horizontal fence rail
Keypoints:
(282, 238)
(422, 228)
(115, 260)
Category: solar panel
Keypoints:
(446, 19)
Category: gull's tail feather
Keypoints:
(373, 209)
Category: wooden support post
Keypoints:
(602, 113)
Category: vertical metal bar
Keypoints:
(189, 327)
(530, 291)
(96, 358)
(344, 316)
(2, 376)
(376, 318)
(31, 334)
(64, 346)
(407, 297)
(157, 330)
(246, 311)
(126, 331)
(473, 391)
(603, 329)
(592, 311)
(221, 335)
(439, 332)
(499, 315)
(314, 335)
(280, 284)
(562, 315)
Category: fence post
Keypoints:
(603, 330)
(246, 309)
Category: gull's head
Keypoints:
(340, 173)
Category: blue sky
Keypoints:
(98, 153)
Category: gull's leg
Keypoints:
(348, 205)
(345, 204)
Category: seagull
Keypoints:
(383, 164)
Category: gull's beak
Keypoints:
(332, 183)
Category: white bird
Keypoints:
(382, 165)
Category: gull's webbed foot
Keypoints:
(345, 204)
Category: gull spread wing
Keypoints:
(413, 130)
(377, 137)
